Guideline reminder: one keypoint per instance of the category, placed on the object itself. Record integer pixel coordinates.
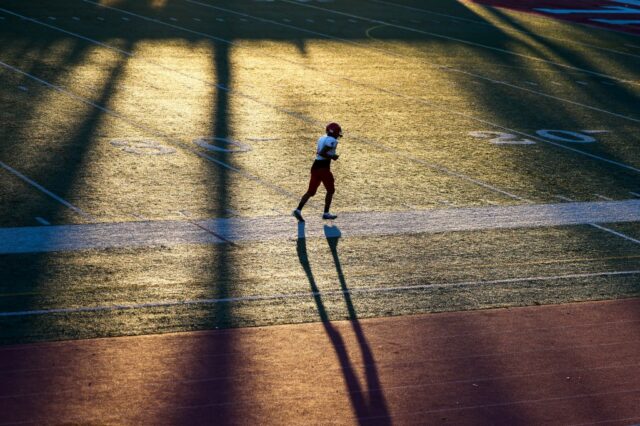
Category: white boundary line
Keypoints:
(505, 27)
(471, 43)
(46, 191)
(310, 294)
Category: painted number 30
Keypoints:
(501, 138)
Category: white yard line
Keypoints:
(602, 197)
(279, 228)
(602, 228)
(616, 233)
(43, 221)
(285, 296)
(46, 191)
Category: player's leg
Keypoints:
(329, 184)
(314, 183)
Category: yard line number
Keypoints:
(568, 136)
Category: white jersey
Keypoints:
(323, 142)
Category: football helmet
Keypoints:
(334, 130)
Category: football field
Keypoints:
(151, 153)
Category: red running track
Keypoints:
(560, 364)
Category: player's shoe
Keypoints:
(329, 216)
(298, 215)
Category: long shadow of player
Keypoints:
(368, 404)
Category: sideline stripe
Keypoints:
(39, 239)
(45, 191)
(310, 294)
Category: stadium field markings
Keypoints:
(520, 88)
(436, 167)
(600, 227)
(420, 99)
(471, 179)
(509, 29)
(46, 191)
(285, 296)
(616, 233)
(42, 221)
(296, 115)
(102, 236)
(404, 57)
(439, 168)
(602, 197)
(386, 91)
(459, 40)
(635, 194)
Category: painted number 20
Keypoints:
(567, 136)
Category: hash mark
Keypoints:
(563, 198)
(43, 221)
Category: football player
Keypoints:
(321, 171)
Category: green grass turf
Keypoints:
(405, 119)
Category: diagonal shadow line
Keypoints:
(375, 404)
(377, 401)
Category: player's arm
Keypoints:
(324, 153)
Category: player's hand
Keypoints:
(336, 156)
